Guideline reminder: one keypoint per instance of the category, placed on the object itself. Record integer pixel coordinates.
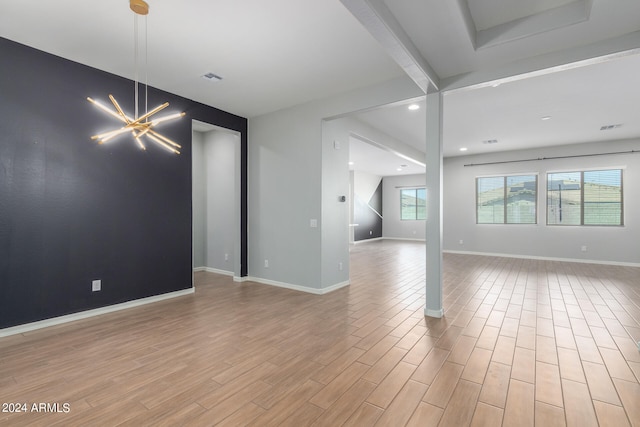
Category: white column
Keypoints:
(433, 307)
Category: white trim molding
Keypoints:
(27, 327)
(373, 239)
(293, 287)
(214, 270)
(543, 258)
(434, 313)
(405, 239)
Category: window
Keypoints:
(506, 199)
(413, 203)
(585, 198)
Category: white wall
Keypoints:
(604, 244)
(215, 196)
(198, 199)
(392, 226)
(295, 175)
(335, 219)
(220, 158)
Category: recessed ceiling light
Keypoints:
(413, 107)
(463, 149)
(545, 118)
(351, 163)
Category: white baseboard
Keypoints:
(375, 239)
(223, 272)
(434, 313)
(405, 239)
(27, 327)
(218, 271)
(582, 261)
(214, 270)
(298, 287)
(335, 287)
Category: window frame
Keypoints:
(505, 198)
(416, 188)
(582, 172)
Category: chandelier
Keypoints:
(143, 125)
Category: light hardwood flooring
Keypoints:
(523, 342)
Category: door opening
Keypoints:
(216, 199)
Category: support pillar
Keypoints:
(433, 294)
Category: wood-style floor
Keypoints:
(523, 342)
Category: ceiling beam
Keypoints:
(467, 19)
(581, 56)
(376, 17)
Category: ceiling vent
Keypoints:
(609, 127)
(212, 77)
(490, 141)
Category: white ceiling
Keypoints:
(376, 160)
(281, 53)
(271, 54)
(491, 13)
(444, 38)
(579, 102)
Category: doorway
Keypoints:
(216, 198)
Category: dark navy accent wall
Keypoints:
(369, 222)
(71, 210)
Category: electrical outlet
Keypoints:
(266, 263)
(583, 248)
(340, 266)
(226, 257)
(96, 285)
(461, 242)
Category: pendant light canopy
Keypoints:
(139, 6)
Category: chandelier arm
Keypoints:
(115, 104)
(166, 118)
(137, 138)
(164, 138)
(107, 110)
(162, 143)
(151, 113)
(145, 131)
(104, 137)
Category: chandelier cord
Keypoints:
(146, 66)
(135, 63)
